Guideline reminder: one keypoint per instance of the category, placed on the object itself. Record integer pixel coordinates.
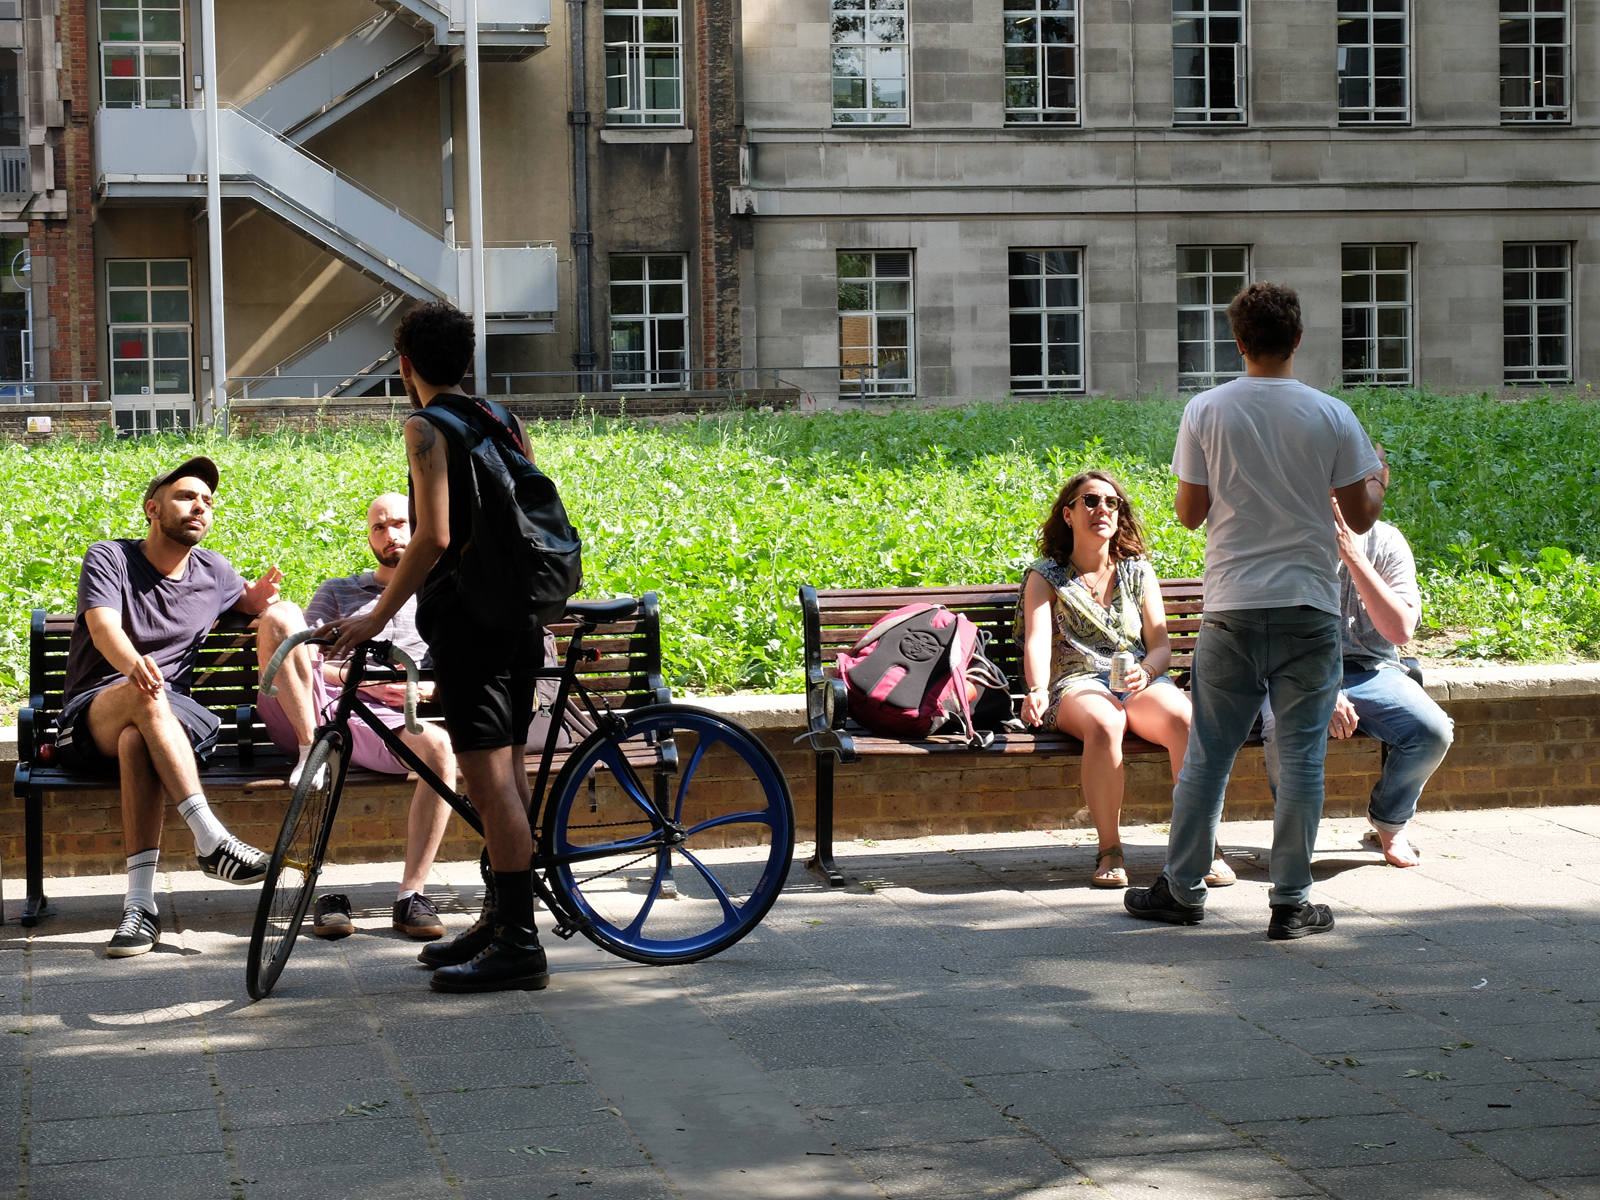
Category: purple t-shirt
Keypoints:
(164, 618)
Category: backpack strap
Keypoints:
(494, 419)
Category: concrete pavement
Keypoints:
(969, 1019)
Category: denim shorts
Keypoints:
(1102, 681)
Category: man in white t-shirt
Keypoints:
(1255, 461)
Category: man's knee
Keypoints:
(1435, 732)
(278, 622)
(131, 745)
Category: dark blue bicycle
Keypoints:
(667, 836)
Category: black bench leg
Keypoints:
(33, 847)
(821, 860)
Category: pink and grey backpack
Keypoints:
(908, 674)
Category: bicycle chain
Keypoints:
(590, 879)
(608, 825)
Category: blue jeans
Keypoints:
(1391, 707)
(1242, 657)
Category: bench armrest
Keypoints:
(827, 707)
(650, 618)
(26, 740)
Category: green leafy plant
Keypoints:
(726, 516)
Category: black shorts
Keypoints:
(484, 678)
(75, 744)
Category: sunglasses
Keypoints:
(1093, 500)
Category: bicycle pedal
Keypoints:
(565, 933)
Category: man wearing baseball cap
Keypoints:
(144, 605)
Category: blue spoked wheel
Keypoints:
(683, 888)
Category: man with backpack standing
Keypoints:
(484, 673)
(1255, 461)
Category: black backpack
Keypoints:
(523, 560)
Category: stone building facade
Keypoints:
(1396, 161)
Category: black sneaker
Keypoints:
(1157, 903)
(330, 916)
(1298, 921)
(462, 948)
(235, 862)
(416, 917)
(513, 961)
(138, 934)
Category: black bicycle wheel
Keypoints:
(296, 862)
(670, 893)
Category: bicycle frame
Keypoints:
(349, 703)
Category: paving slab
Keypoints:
(980, 1023)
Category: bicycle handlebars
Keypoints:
(295, 640)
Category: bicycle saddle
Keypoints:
(602, 610)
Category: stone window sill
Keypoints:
(619, 135)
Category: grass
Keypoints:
(725, 517)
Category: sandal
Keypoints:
(1116, 876)
(1221, 874)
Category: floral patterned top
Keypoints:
(1084, 633)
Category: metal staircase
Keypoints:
(322, 367)
(144, 155)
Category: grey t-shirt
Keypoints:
(1269, 450)
(1389, 553)
(353, 595)
(164, 618)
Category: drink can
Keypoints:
(1122, 664)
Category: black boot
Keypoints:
(473, 940)
(513, 959)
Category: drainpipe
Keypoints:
(219, 339)
(582, 238)
(480, 329)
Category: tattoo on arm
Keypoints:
(421, 439)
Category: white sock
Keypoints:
(142, 880)
(209, 832)
(403, 894)
(294, 775)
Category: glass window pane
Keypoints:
(172, 376)
(165, 306)
(854, 266)
(1355, 288)
(1392, 258)
(628, 267)
(125, 274)
(855, 297)
(1356, 258)
(171, 343)
(127, 306)
(1026, 327)
(666, 298)
(1550, 256)
(1392, 288)
(1023, 262)
(169, 273)
(627, 298)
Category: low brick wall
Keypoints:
(66, 420)
(1525, 737)
(250, 418)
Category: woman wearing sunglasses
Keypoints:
(1092, 594)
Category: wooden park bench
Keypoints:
(834, 620)
(622, 666)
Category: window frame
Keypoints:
(1212, 376)
(861, 378)
(1208, 114)
(1538, 82)
(1372, 374)
(654, 374)
(1042, 113)
(840, 12)
(1372, 115)
(16, 390)
(140, 49)
(635, 54)
(150, 410)
(1049, 384)
(1534, 375)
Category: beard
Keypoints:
(411, 392)
(390, 560)
(178, 532)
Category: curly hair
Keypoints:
(1055, 535)
(439, 341)
(1265, 319)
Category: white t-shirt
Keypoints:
(1269, 450)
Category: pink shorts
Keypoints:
(367, 749)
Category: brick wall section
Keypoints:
(716, 170)
(1519, 752)
(68, 245)
(66, 420)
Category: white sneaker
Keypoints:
(138, 934)
(235, 862)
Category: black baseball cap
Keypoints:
(199, 466)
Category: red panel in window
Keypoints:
(130, 349)
(124, 68)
